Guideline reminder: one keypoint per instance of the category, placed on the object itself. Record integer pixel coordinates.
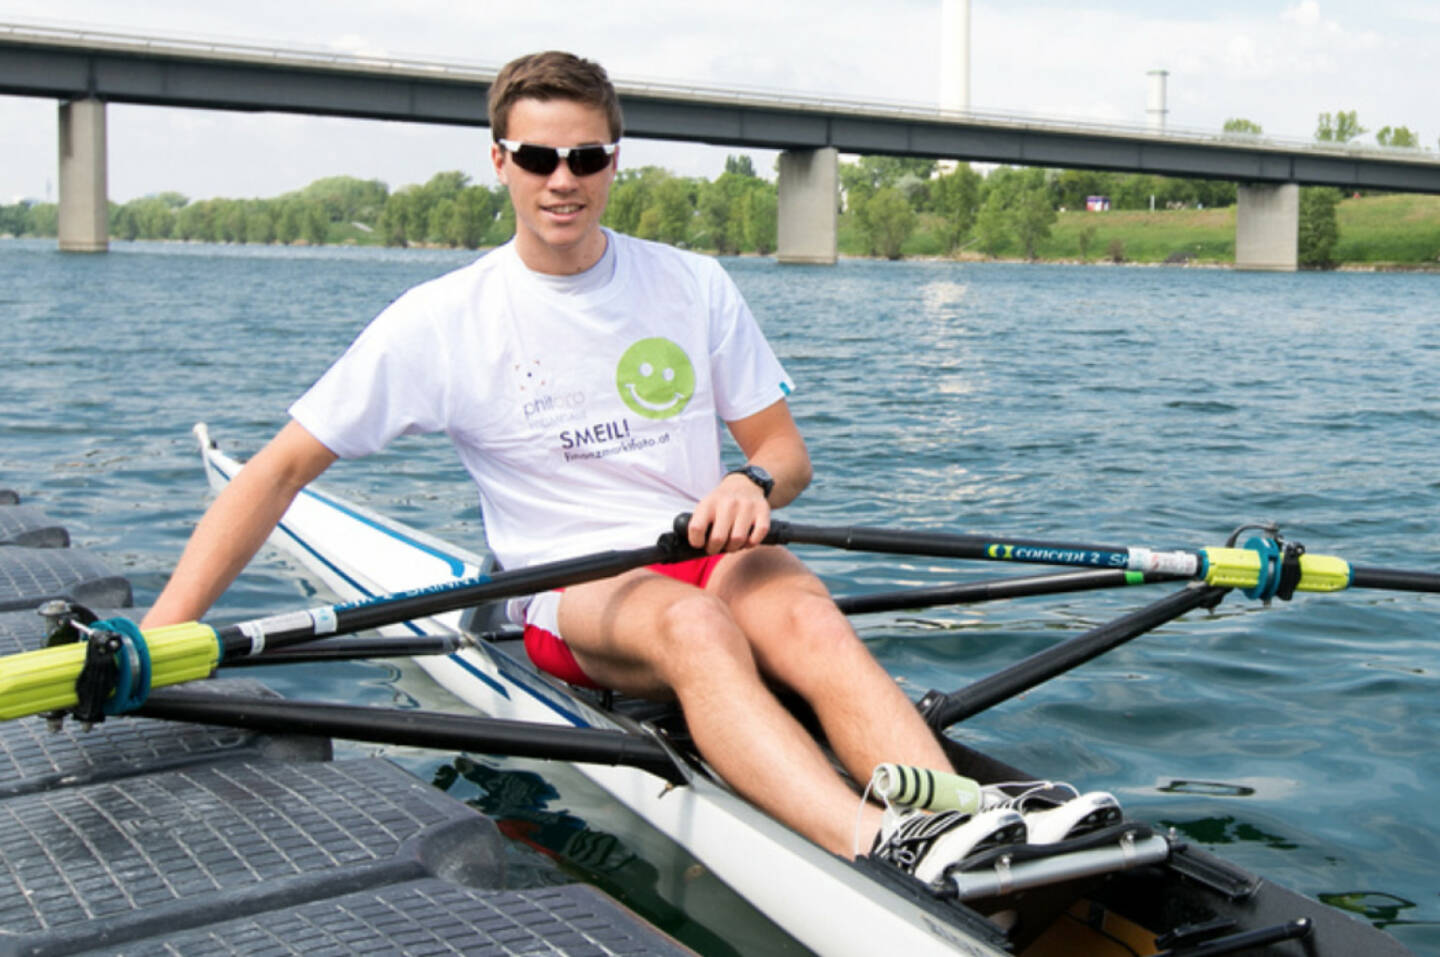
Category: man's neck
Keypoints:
(590, 281)
(560, 261)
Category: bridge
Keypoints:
(84, 70)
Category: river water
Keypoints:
(1156, 406)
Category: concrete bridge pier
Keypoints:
(809, 206)
(1267, 227)
(84, 212)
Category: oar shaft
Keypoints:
(948, 545)
(352, 647)
(252, 637)
(1394, 579)
(422, 729)
(993, 590)
(941, 711)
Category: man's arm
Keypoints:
(737, 513)
(237, 524)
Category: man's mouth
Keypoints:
(565, 209)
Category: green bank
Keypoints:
(1399, 230)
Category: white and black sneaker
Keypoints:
(1076, 817)
(923, 844)
(1051, 818)
(970, 817)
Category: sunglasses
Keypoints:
(542, 160)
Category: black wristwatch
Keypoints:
(757, 475)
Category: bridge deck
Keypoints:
(72, 64)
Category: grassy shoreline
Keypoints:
(1400, 231)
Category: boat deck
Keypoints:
(151, 837)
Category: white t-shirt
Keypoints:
(587, 419)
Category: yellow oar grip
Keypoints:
(35, 682)
(1323, 573)
(1240, 568)
(184, 652)
(1232, 567)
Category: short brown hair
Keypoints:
(552, 75)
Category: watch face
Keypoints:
(757, 475)
(760, 477)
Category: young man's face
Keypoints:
(557, 216)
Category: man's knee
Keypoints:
(814, 621)
(696, 635)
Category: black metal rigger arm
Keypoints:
(943, 710)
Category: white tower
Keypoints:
(955, 54)
(1155, 109)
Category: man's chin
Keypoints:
(563, 241)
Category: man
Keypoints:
(579, 374)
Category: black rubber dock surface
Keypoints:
(153, 837)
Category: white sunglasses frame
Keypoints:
(562, 154)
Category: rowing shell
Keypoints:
(833, 906)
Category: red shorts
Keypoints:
(550, 653)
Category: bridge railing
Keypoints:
(179, 44)
(85, 37)
(909, 110)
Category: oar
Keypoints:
(45, 680)
(1266, 567)
(37, 682)
(422, 729)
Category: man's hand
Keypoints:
(736, 513)
(733, 516)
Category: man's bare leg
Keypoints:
(762, 613)
(800, 639)
(646, 634)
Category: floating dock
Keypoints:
(142, 836)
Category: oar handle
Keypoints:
(35, 682)
(680, 529)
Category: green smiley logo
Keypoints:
(655, 378)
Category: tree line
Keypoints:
(888, 207)
(893, 205)
(446, 211)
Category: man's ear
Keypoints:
(497, 158)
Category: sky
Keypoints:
(1279, 64)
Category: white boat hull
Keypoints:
(824, 902)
